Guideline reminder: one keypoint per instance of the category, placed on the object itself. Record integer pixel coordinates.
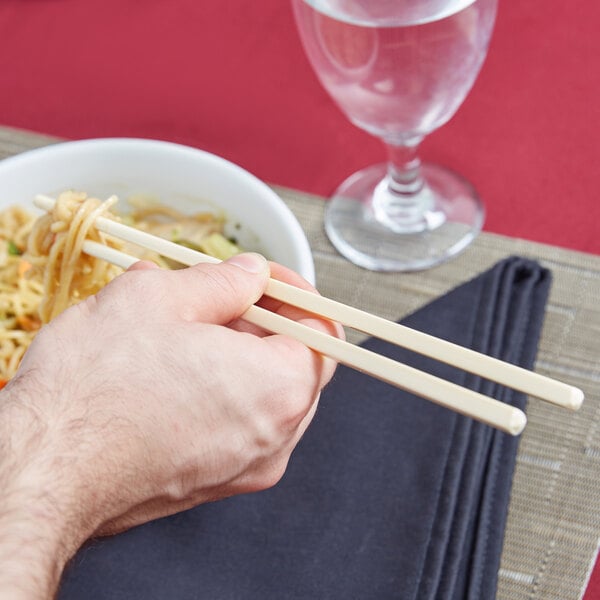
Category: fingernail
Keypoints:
(249, 261)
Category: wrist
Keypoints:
(40, 528)
(32, 551)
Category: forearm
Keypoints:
(31, 557)
(37, 532)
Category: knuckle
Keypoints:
(267, 476)
(138, 287)
(280, 421)
(273, 474)
(271, 426)
(266, 434)
(296, 399)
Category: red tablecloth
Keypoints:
(230, 77)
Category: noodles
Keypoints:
(43, 270)
(19, 295)
(54, 249)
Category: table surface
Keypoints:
(231, 78)
(554, 516)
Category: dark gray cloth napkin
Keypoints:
(387, 495)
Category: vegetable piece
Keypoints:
(13, 249)
(29, 323)
(217, 245)
(23, 267)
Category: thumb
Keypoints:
(143, 265)
(220, 293)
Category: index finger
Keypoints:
(288, 311)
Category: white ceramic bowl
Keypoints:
(186, 178)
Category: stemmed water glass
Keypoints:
(399, 69)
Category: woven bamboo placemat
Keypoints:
(553, 526)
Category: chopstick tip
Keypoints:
(575, 399)
(43, 202)
(517, 422)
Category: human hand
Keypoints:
(153, 396)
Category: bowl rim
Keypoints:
(303, 253)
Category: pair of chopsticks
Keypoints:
(450, 395)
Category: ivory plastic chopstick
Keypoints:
(518, 378)
(467, 402)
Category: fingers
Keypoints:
(143, 265)
(223, 292)
(291, 312)
(295, 350)
(287, 276)
(306, 360)
(206, 293)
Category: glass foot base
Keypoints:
(450, 219)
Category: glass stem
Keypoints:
(404, 169)
(401, 200)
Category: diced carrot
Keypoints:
(28, 323)
(23, 267)
(3, 382)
